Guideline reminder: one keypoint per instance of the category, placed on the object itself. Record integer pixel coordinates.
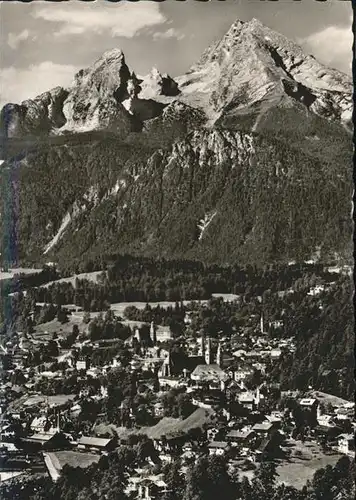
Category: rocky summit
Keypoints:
(194, 166)
(253, 65)
(250, 70)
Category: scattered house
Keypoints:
(242, 374)
(82, 364)
(264, 429)
(275, 418)
(218, 448)
(96, 444)
(46, 441)
(326, 420)
(241, 437)
(210, 374)
(208, 399)
(276, 354)
(250, 399)
(151, 488)
(212, 433)
(38, 424)
(309, 405)
(346, 444)
(247, 400)
(327, 433)
(262, 451)
(147, 488)
(158, 409)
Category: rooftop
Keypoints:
(265, 426)
(307, 401)
(94, 441)
(42, 437)
(239, 434)
(209, 373)
(218, 444)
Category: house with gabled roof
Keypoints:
(96, 444)
(219, 448)
(346, 444)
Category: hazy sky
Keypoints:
(43, 43)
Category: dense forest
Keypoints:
(141, 279)
(125, 197)
(324, 358)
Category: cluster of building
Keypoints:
(237, 412)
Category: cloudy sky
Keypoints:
(44, 43)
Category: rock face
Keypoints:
(94, 101)
(154, 85)
(37, 116)
(252, 64)
(104, 96)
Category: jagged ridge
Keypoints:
(251, 64)
(167, 154)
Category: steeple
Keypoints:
(208, 357)
(153, 333)
(58, 428)
(202, 345)
(167, 366)
(262, 327)
(219, 355)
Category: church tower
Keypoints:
(153, 333)
(208, 356)
(138, 335)
(202, 345)
(219, 355)
(167, 366)
(262, 326)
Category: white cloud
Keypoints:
(170, 33)
(17, 85)
(332, 45)
(124, 19)
(14, 39)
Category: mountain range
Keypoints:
(243, 158)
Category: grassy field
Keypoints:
(71, 279)
(167, 426)
(329, 398)
(305, 459)
(120, 307)
(44, 332)
(40, 399)
(72, 458)
(16, 271)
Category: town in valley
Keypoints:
(165, 384)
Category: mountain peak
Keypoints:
(111, 54)
(250, 69)
(253, 64)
